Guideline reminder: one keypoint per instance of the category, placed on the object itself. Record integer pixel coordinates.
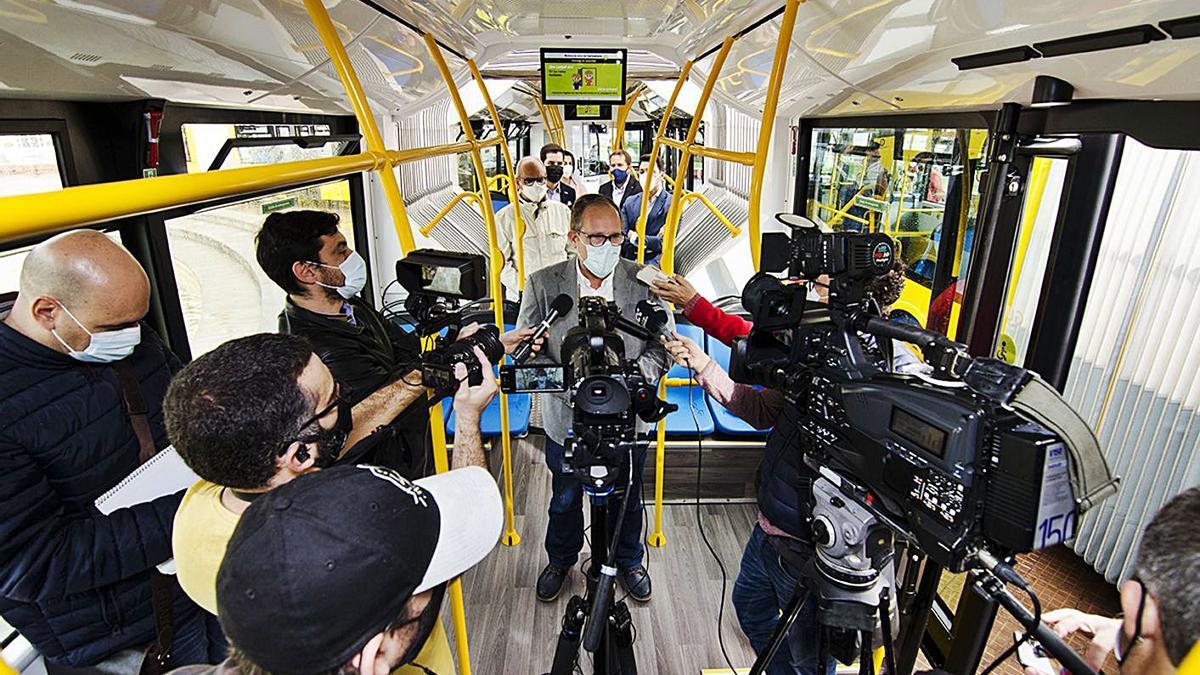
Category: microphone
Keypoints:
(653, 318)
(558, 307)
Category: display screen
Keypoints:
(539, 378)
(925, 435)
(588, 76)
(581, 113)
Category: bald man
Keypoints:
(74, 582)
(546, 225)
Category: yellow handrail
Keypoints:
(428, 227)
(659, 139)
(618, 141)
(734, 230)
(366, 120)
(746, 158)
(495, 183)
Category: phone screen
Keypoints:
(539, 378)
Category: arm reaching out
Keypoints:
(469, 403)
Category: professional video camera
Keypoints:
(972, 463)
(437, 283)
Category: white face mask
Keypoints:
(354, 269)
(103, 347)
(602, 260)
(568, 170)
(534, 193)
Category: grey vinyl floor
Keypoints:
(511, 632)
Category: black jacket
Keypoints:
(363, 358)
(632, 187)
(784, 480)
(73, 581)
(568, 194)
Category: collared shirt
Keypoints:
(585, 285)
(348, 310)
(555, 194)
(545, 242)
(619, 192)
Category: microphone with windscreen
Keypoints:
(653, 317)
(558, 307)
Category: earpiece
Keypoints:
(302, 454)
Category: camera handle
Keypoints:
(948, 358)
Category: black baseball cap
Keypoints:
(319, 566)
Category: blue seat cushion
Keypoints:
(727, 422)
(695, 335)
(680, 422)
(519, 406)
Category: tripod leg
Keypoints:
(567, 651)
(885, 622)
(866, 662)
(781, 630)
(621, 623)
(824, 638)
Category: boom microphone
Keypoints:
(558, 307)
(653, 318)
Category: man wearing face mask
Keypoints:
(546, 225)
(304, 254)
(345, 571)
(81, 403)
(554, 158)
(656, 215)
(597, 236)
(255, 414)
(623, 184)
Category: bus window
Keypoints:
(898, 181)
(223, 291)
(257, 144)
(28, 163)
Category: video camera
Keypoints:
(976, 461)
(437, 283)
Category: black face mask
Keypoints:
(329, 441)
(425, 624)
(553, 173)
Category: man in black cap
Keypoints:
(345, 569)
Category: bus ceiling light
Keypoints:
(1050, 91)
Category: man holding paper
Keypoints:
(255, 414)
(82, 409)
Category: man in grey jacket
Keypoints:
(596, 235)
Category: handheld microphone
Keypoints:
(558, 307)
(653, 318)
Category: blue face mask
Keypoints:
(619, 176)
(103, 347)
(602, 260)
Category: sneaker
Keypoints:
(636, 581)
(550, 582)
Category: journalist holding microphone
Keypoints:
(596, 236)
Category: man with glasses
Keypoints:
(1160, 604)
(554, 157)
(597, 236)
(544, 242)
(255, 414)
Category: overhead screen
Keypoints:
(585, 76)
(586, 113)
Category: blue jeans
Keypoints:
(564, 533)
(762, 591)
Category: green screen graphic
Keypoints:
(591, 111)
(583, 76)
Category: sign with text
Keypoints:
(587, 76)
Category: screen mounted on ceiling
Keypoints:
(587, 76)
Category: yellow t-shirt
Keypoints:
(203, 528)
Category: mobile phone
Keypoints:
(648, 274)
(1031, 655)
(533, 377)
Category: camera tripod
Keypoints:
(603, 627)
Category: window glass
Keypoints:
(223, 291)
(264, 144)
(28, 163)
(897, 181)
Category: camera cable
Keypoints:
(700, 522)
(1037, 618)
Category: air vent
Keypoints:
(80, 57)
(996, 58)
(1182, 28)
(1094, 42)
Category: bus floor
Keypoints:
(511, 632)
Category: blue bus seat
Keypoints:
(726, 422)
(680, 422)
(695, 335)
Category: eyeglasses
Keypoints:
(1121, 651)
(533, 181)
(597, 239)
(336, 403)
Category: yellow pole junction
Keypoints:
(518, 219)
(511, 538)
(366, 121)
(649, 172)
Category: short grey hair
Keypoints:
(586, 202)
(1168, 564)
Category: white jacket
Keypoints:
(545, 241)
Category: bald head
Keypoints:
(530, 167)
(100, 283)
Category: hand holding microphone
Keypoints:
(558, 307)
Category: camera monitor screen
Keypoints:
(589, 76)
(539, 378)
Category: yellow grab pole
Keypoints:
(511, 538)
(618, 142)
(518, 219)
(655, 148)
(735, 156)
(770, 105)
(656, 538)
(674, 212)
(366, 121)
(468, 196)
(734, 230)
